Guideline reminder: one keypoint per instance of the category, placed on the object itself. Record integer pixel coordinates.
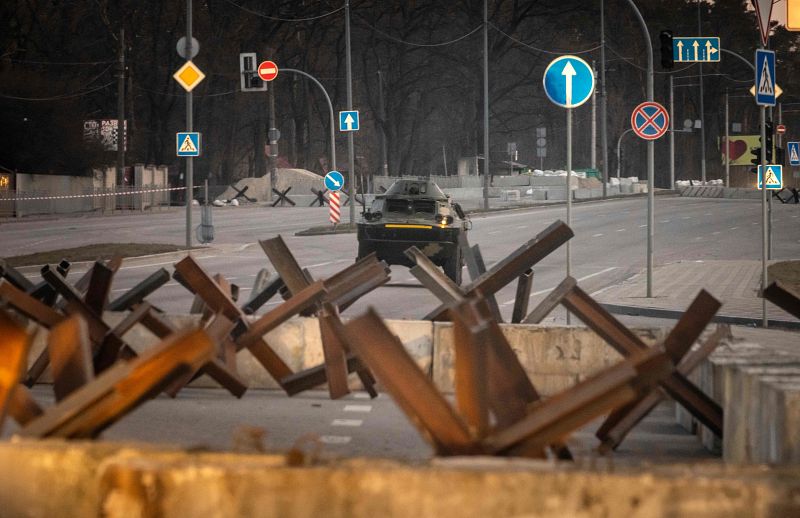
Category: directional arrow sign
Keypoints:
(348, 121)
(334, 181)
(695, 50)
(568, 81)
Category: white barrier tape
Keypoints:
(96, 195)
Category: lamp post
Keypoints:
(651, 161)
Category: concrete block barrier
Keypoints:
(84, 480)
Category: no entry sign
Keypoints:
(650, 120)
(267, 70)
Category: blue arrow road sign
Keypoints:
(348, 121)
(765, 77)
(794, 153)
(774, 176)
(334, 181)
(695, 50)
(568, 81)
(188, 143)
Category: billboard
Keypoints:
(739, 147)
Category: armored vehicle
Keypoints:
(414, 213)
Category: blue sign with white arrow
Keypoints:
(695, 50)
(765, 77)
(794, 153)
(568, 81)
(348, 121)
(334, 181)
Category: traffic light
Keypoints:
(250, 82)
(756, 160)
(768, 145)
(667, 58)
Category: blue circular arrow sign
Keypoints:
(334, 181)
(568, 81)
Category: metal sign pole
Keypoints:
(727, 141)
(569, 190)
(350, 149)
(763, 116)
(671, 132)
(189, 160)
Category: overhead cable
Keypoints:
(280, 19)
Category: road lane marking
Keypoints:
(642, 226)
(347, 422)
(327, 263)
(621, 229)
(686, 217)
(541, 292)
(358, 408)
(665, 221)
(716, 233)
(335, 439)
(734, 228)
(362, 395)
(523, 226)
(598, 235)
(495, 231)
(707, 214)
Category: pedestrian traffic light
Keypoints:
(667, 58)
(768, 144)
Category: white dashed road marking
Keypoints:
(642, 226)
(361, 395)
(358, 408)
(347, 422)
(598, 235)
(621, 229)
(335, 439)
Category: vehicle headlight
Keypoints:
(444, 219)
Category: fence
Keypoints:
(93, 201)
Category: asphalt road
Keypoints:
(609, 244)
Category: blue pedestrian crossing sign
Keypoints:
(765, 78)
(695, 50)
(188, 143)
(334, 181)
(348, 121)
(773, 178)
(568, 81)
(794, 153)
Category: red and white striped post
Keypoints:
(333, 207)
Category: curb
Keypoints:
(672, 314)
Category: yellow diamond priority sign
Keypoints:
(189, 76)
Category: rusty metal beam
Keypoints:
(705, 409)
(690, 326)
(13, 276)
(523, 297)
(70, 355)
(114, 393)
(622, 420)
(414, 392)
(284, 263)
(470, 337)
(99, 287)
(29, 306)
(515, 264)
(138, 293)
(551, 301)
(783, 297)
(13, 358)
(334, 351)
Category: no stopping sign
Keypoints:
(650, 120)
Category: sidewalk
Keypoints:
(734, 283)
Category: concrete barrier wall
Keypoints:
(85, 480)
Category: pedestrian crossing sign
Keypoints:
(765, 78)
(773, 178)
(188, 143)
(794, 153)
